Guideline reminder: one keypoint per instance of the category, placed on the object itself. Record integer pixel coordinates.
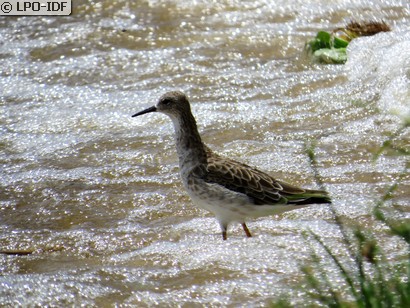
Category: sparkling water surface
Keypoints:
(93, 196)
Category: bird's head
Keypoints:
(174, 104)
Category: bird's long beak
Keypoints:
(150, 109)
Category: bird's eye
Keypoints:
(166, 102)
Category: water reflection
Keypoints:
(95, 195)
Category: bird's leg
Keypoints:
(224, 228)
(245, 228)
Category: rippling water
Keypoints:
(93, 196)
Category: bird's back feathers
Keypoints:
(260, 187)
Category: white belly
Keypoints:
(228, 205)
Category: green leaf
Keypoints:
(325, 39)
(313, 45)
(339, 43)
(331, 55)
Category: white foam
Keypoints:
(383, 62)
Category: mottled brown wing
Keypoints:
(257, 185)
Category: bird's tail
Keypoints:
(309, 197)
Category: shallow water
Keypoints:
(93, 196)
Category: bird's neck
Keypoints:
(190, 149)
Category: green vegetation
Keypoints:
(326, 48)
(373, 280)
(366, 277)
(331, 47)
